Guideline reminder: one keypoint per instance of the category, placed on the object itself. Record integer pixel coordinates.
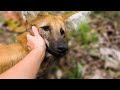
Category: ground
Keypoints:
(94, 49)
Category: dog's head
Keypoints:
(53, 28)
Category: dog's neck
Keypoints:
(10, 55)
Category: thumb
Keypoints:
(35, 31)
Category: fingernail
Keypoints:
(33, 27)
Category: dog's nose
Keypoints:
(62, 48)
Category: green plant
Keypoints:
(86, 36)
(1, 32)
(75, 72)
(67, 12)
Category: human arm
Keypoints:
(29, 66)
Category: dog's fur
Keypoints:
(13, 53)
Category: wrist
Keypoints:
(39, 49)
(40, 53)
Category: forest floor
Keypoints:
(94, 48)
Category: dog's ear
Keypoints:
(30, 15)
(74, 20)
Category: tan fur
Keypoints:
(13, 53)
(10, 55)
(56, 22)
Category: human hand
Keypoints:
(36, 41)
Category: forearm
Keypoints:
(27, 68)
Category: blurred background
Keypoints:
(94, 47)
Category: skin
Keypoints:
(29, 66)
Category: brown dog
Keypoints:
(53, 29)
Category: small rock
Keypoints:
(59, 74)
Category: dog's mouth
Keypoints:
(56, 54)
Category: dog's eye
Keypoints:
(46, 28)
(62, 31)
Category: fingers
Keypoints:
(35, 31)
